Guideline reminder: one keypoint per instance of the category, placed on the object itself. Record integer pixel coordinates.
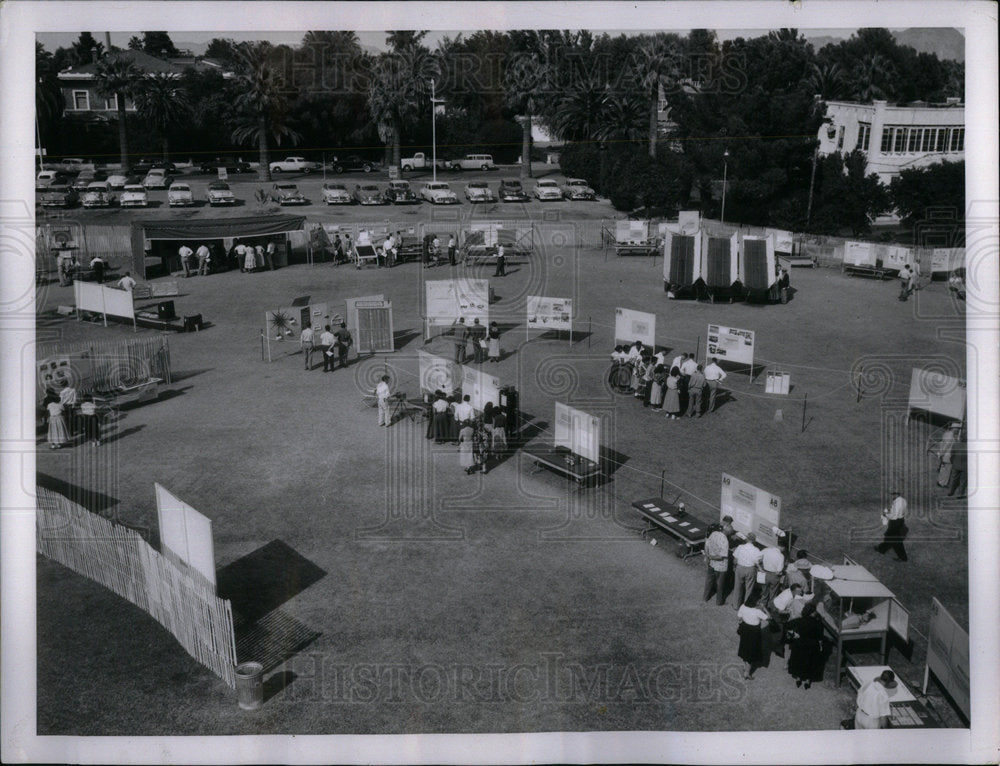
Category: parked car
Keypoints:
(47, 178)
(418, 161)
(578, 189)
(352, 162)
(368, 194)
(98, 194)
(59, 195)
(438, 193)
(479, 191)
(142, 166)
(71, 165)
(512, 191)
(87, 177)
(547, 189)
(336, 194)
(156, 179)
(179, 195)
(286, 193)
(219, 193)
(294, 165)
(399, 192)
(474, 162)
(118, 180)
(231, 164)
(133, 195)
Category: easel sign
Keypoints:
(777, 382)
(578, 431)
(688, 222)
(859, 254)
(631, 326)
(549, 314)
(731, 344)
(752, 509)
(185, 534)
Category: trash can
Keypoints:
(250, 685)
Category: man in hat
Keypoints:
(873, 702)
(893, 519)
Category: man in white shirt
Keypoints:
(451, 250)
(464, 411)
(772, 564)
(746, 556)
(788, 604)
(717, 558)
(388, 251)
(382, 397)
(97, 265)
(689, 365)
(678, 361)
(185, 253)
(501, 270)
(241, 256)
(893, 519)
(714, 375)
(126, 283)
(326, 341)
(203, 256)
(873, 702)
(306, 341)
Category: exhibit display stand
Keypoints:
(732, 346)
(448, 300)
(682, 264)
(576, 448)
(283, 328)
(948, 658)
(549, 314)
(631, 326)
(936, 394)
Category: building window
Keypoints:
(958, 139)
(928, 143)
(942, 139)
(110, 105)
(864, 135)
(81, 100)
(840, 137)
(899, 145)
(914, 145)
(886, 140)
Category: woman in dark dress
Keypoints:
(752, 620)
(805, 639)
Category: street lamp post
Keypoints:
(725, 172)
(434, 154)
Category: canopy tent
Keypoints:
(682, 263)
(196, 231)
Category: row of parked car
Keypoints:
(133, 194)
(441, 193)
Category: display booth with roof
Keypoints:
(155, 242)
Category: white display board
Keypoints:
(631, 326)
(103, 300)
(777, 382)
(730, 344)
(948, 656)
(783, 241)
(448, 299)
(938, 393)
(859, 254)
(947, 259)
(578, 431)
(185, 533)
(550, 313)
(438, 373)
(632, 232)
(896, 257)
(752, 509)
(352, 309)
(480, 387)
(688, 222)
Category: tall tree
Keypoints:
(86, 50)
(49, 101)
(161, 101)
(135, 43)
(872, 77)
(527, 74)
(401, 40)
(159, 44)
(261, 105)
(116, 77)
(398, 91)
(917, 193)
(656, 65)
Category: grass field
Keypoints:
(414, 598)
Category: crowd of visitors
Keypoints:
(676, 386)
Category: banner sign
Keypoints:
(578, 432)
(550, 313)
(631, 326)
(730, 344)
(438, 373)
(948, 656)
(938, 393)
(859, 254)
(752, 509)
(480, 387)
(185, 533)
(449, 299)
(103, 300)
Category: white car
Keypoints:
(474, 162)
(179, 195)
(118, 181)
(546, 190)
(47, 178)
(336, 194)
(577, 188)
(155, 179)
(97, 194)
(479, 191)
(438, 193)
(294, 165)
(133, 195)
(219, 193)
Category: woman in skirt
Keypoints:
(440, 410)
(493, 336)
(805, 639)
(672, 396)
(480, 447)
(58, 432)
(499, 446)
(620, 375)
(656, 386)
(751, 622)
(465, 457)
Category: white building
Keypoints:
(895, 137)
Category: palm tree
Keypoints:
(49, 101)
(624, 117)
(526, 75)
(116, 76)
(871, 74)
(261, 105)
(580, 113)
(655, 58)
(397, 93)
(162, 101)
(828, 80)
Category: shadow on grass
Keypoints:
(271, 640)
(401, 338)
(264, 579)
(176, 377)
(93, 501)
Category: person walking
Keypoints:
(382, 392)
(873, 702)
(746, 557)
(499, 446)
(671, 394)
(804, 635)
(894, 521)
(906, 282)
(58, 433)
(717, 561)
(90, 420)
(451, 250)
(461, 333)
(696, 384)
(714, 375)
(501, 263)
(480, 447)
(203, 254)
(306, 341)
(126, 283)
(185, 253)
(752, 621)
(326, 341)
(493, 337)
(344, 343)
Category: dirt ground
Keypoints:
(396, 594)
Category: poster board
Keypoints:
(285, 323)
(375, 334)
(352, 309)
(860, 254)
(75, 370)
(185, 534)
(777, 382)
(480, 387)
(752, 509)
(947, 259)
(438, 373)
(578, 432)
(631, 326)
(719, 267)
(632, 232)
(938, 393)
(448, 299)
(103, 300)
(948, 656)
(688, 222)
(896, 257)
(549, 313)
(730, 344)
(784, 243)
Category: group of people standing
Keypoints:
(481, 437)
(334, 346)
(68, 414)
(676, 386)
(485, 342)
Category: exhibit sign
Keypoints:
(777, 382)
(578, 431)
(947, 259)
(730, 344)
(896, 257)
(374, 323)
(631, 326)
(752, 509)
(948, 656)
(632, 232)
(56, 371)
(938, 393)
(287, 322)
(783, 241)
(480, 387)
(550, 313)
(352, 308)
(859, 254)
(102, 300)
(438, 373)
(688, 222)
(448, 299)
(185, 534)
